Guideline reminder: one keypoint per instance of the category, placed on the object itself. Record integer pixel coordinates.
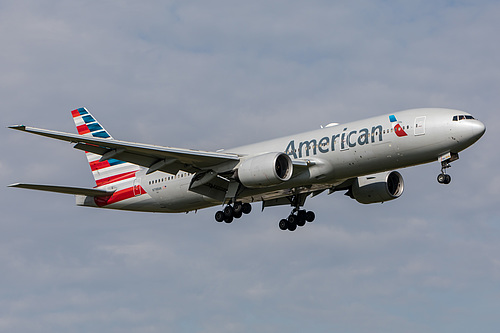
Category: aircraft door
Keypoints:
(420, 125)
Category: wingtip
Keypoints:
(18, 127)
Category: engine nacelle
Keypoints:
(265, 170)
(379, 187)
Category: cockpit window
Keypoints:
(462, 117)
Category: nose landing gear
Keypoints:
(445, 160)
(443, 177)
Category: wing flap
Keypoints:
(65, 189)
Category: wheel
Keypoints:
(219, 216)
(246, 208)
(237, 215)
(283, 224)
(228, 211)
(228, 219)
(447, 179)
(238, 207)
(301, 218)
(292, 222)
(441, 177)
(310, 216)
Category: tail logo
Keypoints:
(109, 171)
(396, 125)
(87, 124)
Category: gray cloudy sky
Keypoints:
(214, 74)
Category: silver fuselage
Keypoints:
(336, 153)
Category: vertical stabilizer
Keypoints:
(105, 171)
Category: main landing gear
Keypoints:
(298, 217)
(233, 212)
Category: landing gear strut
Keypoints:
(233, 212)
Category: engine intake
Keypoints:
(265, 170)
(379, 187)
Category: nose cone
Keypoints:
(477, 129)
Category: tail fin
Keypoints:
(106, 172)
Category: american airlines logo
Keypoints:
(343, 141)
(396, 125)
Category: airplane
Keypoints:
(359, 158)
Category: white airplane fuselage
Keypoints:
(333, 155)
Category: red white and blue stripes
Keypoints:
(113, 172)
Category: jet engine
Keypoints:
(378, 187)
(265, 170)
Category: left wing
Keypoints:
(153, 157)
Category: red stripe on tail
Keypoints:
(83, 129)
(96, 165)
(119, 196)
(115, 178)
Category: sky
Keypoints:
(218, 74)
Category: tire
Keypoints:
(237, 215)
(310, 216)
(228, 211)
(292, 222)
(440, 178)
(238, 208)
(220, 216)
(228, 219)
(447, 179)
(301, 218)
(246, 208)
(283, 224)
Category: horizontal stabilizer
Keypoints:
(65, 189)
